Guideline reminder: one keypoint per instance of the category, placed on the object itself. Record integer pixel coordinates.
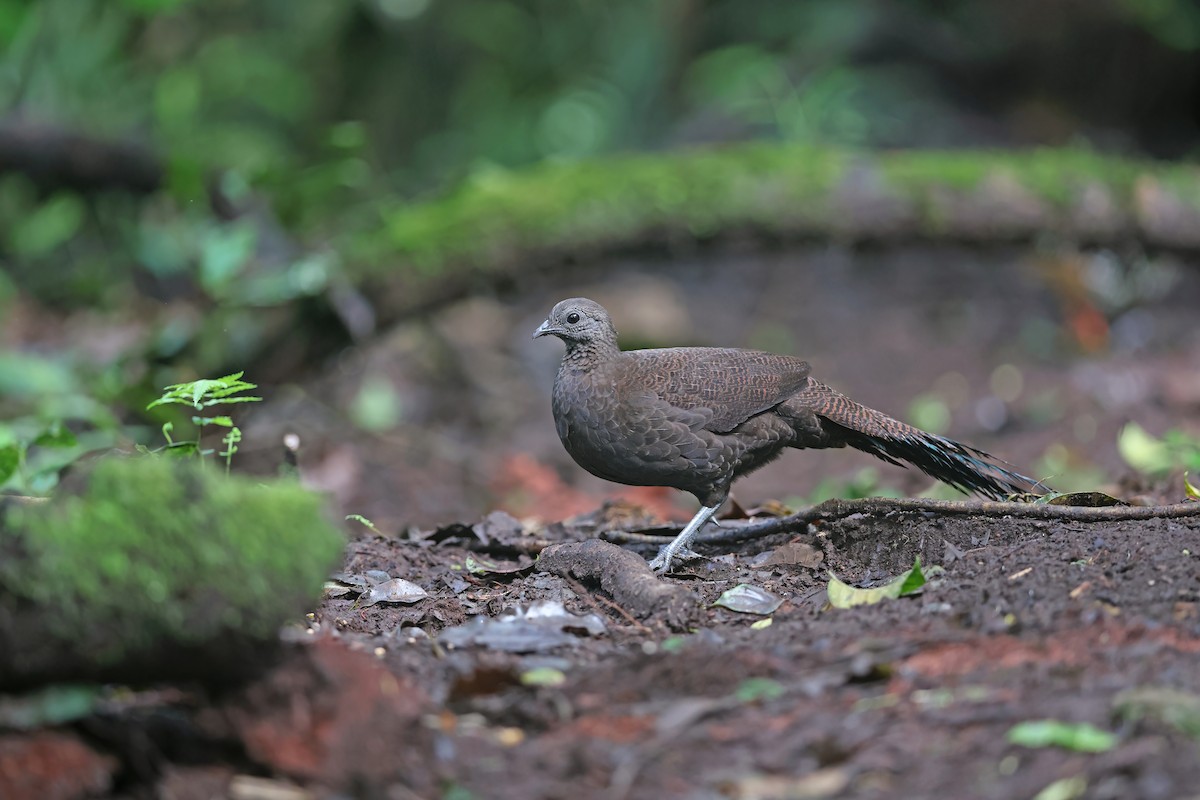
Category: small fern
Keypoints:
(200, 395)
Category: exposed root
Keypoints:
(625, 577)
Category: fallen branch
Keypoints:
(798, 192)
(62, 158)
(879, 506)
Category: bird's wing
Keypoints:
(731, 385)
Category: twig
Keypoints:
(877, 506)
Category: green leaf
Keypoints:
(753, 689)
(230, 384)
(224, 401)
(929, 412)
(377, 406)
(1191, 490)
(224, 422)
(10, 461)
(1142, 451)
(53, 705)
(348, 135)
(48, 226)
(1070, 788)
(182, 449)
(224, 252)
(200, 389)
(1080, 737)
(543, 676)
(913, 579)
(57, 435)
(359, 518)
(672, 644)
(207, 392)
(842, 595)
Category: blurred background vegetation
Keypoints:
(172, 170)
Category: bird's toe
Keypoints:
(666, 557)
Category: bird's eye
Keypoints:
(572, 318)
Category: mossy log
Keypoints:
(501, 223)
(154, 570)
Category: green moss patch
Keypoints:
(498, 215)
(499, 218)
(154, 553)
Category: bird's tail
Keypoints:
(846, 422)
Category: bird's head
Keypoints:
(579, 321)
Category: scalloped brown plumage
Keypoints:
(697, 418)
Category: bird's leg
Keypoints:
(679, 546)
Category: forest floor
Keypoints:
(915, 697)
(516, 679)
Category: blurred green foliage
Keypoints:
(864, 483)
(189, 164)
(300, 117)
(48, 419)
(1175, 451)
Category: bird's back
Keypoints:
(732, 384)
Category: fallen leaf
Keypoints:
(1080, 737)
(1085, 499)
(1064, 789)
(396, 590)
(749, 599)
(543, 676)
(482, 566)
(842, 595)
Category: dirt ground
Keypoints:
(911, 698)
(582, 675)
(460, 695)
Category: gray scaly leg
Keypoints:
(680, 544)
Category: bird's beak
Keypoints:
(544, 329)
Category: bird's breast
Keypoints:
(632, 437)
(585, 412)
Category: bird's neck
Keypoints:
(586, 356)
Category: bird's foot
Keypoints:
(666, 556)
(679, 546)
